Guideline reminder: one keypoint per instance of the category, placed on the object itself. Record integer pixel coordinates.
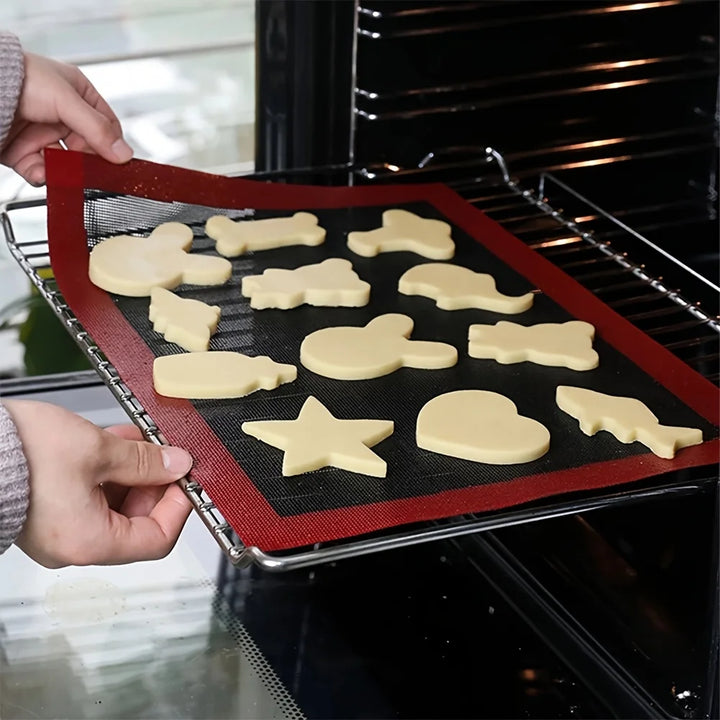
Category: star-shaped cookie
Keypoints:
(317, 439)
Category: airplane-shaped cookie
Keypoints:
(186, 322)
(236, 237)
(566, 344)
(133, 266)
(482, 426)
(217, 374)
(628, 419)
(403, 230)
(331, 283)
(454, 287)
(379, 348)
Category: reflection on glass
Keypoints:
(179, 75)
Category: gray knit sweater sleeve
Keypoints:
(14, 487)
(12, 72)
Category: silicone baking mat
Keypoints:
(89, 199)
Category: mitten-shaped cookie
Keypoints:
(379, 348)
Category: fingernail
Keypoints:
(121, 150)
(176, 460)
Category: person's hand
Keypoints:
(97, 497)
(57, 102)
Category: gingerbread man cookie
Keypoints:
(566, 344)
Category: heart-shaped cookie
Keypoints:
(482, 426)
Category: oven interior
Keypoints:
(618, 102)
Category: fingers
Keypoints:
(93, 98)
(150, 537)
(24, 152)
(101, 132)
(136, 462)
(141, 500)
(129, 432)
(115, 494)
(57, 101)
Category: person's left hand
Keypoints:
(58, 103)
(97, 497)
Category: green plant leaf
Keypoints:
(49, 348)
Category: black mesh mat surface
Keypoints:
(398, 396)
(89, 199)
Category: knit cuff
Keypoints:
(14, 485)
(12, 73)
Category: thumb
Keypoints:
(102, 135)
(133, 462)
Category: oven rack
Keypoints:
(562, 239)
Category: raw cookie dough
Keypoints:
(454, 287)
(132, 266)
(566, 344)
(186, 322)
(217, 374)
(317, 439)
(379, 348)
(482, 426)
(403, 230)
(235, 237)
(331, 283)
(628, 419)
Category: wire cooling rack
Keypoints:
(498, 194)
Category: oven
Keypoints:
(614, 102)
(589, 130)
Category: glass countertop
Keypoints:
(150, 640)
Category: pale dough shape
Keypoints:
(403, 230)
(218, 374)
(379, 348)
(235, 237)
(454, 287)
(186, 322)
(482, 426)
(331, 283)
(317, 439)
(132, 266)
(566, 344)
(628, 419)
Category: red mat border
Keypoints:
(237, 498)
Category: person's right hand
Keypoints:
(97, 497)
